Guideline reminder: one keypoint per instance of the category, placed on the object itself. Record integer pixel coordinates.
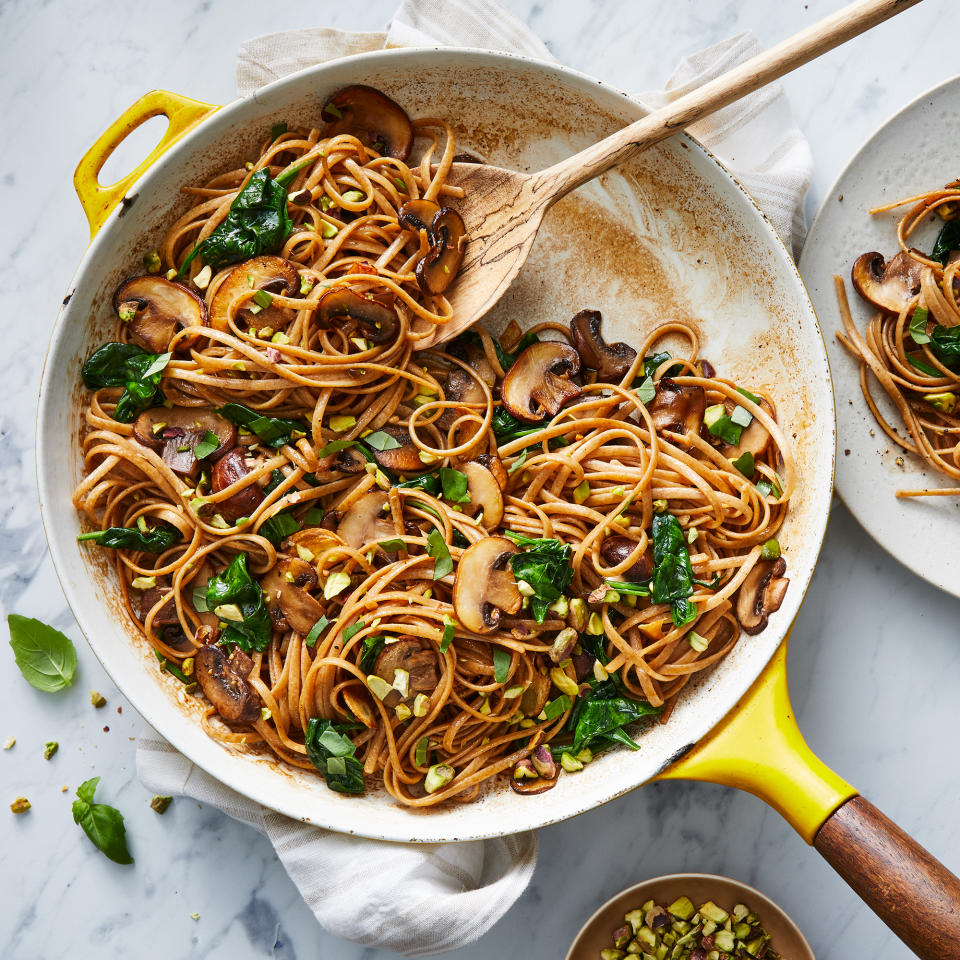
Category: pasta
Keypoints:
(427, 567)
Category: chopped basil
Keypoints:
(918, 325)
(948, 240)
(436, 548)
(354, 628)
(454, 484)
(726, 429)
(206, 446)
(744, 463)
(46, 657)
(380, 440)
(501, 664)
(392, 546)
(371, 650)
(518, 463)
(325, 742)
(654, 360)
(555, 708)
(334, 446)
(311, 638)
(428, 482)
(646, 391)
(274, 431)
(917, 361)
(750, 396)
(102, 823)
(421, 755)
(448, 629)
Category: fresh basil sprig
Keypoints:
(334, 755)
(129, 366)
(46, 657)
(102, 823)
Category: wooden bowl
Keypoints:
(786, 938)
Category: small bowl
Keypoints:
(785, 937)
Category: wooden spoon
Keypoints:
(503, 209)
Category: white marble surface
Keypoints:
(875, 658)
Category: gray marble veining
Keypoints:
(875, 657)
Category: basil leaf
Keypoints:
(102, 823)
(325, 741)
(129, 366)
(311, 638)
(744, 463)
(546, 567)
(948, 240)
(392, 546)
(154, 540)
(654, 360)
(206, 446)
(371, 650)
(256, 223)
(748, 394)
(501, 664)
(436, 548)
(555, 708)
(380, 440)
(518, 463)
(447, 639)
(354, 628)
(234, 585)
(334, 446)
(454, 485)
(646, 391)
(274, 431)
(278, 527)
(46, 657)
(727, 430)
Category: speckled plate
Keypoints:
(914, 151)
(670, 234)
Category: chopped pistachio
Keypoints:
(944, 402)
(304, 554)
(378, 686)
(564, 683)
(143, 583)
(511, 693)
(306, 284)
(229, 611)
(420, 705)
(439, 775)
(217, 521)
(353, 196)
(402, 711)
(341, 423)
(361, 343)
(659, 506)
(328, 231)
(525, 589)
(97, 699)
(599, 672)
(595, 625)
(560, 607)
(280, 337)
(202, 280)
(20, 805)
(50, 748)
(188, 666)
(569, 762)
(771, 549)
(126, 313)
(194, 916)
(9, 743)
(697, 642)
(578, 613)
(266, 714)
(382, 481)
(159, 803)
(336, 583)
(426, 458)
(171, 274)
(485, 706)
(151, 262)
(581, 493)
(265, 333)
(401, 682)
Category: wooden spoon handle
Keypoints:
(916, 896)
(561, 178)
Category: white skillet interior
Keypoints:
(671, 235)
(910, 154)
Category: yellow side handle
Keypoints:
(182, 113)
(758, 747)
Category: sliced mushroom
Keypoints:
(677, 408)
(889, 286)
(411, 655)
(495, 465)
(379, 323)
(230, 468)
(463, 388)
(285, 593)
(350, 460)
(532, 787)
(534, 698)
(437, 270)
(402, 459)
(167, 614)
(317, 540)
(484, 492)
(617, 550)
(274, 275)
(225, 687)
(358, 703)
(754, 438)
(473, 354)
(172, 429)
(159, 306)
(761, 593)
(610, 360)
(539, 382)
(418, 215)
(370, 116)
(485, 585)
(364, 521)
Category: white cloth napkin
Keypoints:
(423, 899)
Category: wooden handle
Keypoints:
(561, 178)
(916, 896)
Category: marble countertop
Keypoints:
(875, 656)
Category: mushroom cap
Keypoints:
(364, 521)
(617, 550)
(437, 270)
(418, 215)
(370, 116)
(230, 468)
(612, 361)
(272, 274)
(161, 306)
(534, 698)
(889, 286)
(495, 465)
(484, 491)
(761, 593)
(678, 408)
(298, 609)
(402, 459)
(379, 322)
(484, 585)
(418, 660)
(539, 381)
(224, 686)
(755, 438)
(192, 420)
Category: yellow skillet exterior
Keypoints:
(182, 113)
(758, 747)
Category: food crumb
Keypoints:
(119, 709)
(846, 453)
(20, 805)
(194, 916)
(50, 748)
(64, 788)
(9, 742)
(899, 461)
(840, 198)
(159, 804)
(106, 729)
(97, 699)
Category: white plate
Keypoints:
(914, 151)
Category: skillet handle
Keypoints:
(182, 113)
(914, 894)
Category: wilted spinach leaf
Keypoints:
(334, 755)
(672, 574)
(598, 719)
(947, 240)
(273, 431)
(545, 566)
(127, 365)
(234, 586)
(371, 650)
(154, 540)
